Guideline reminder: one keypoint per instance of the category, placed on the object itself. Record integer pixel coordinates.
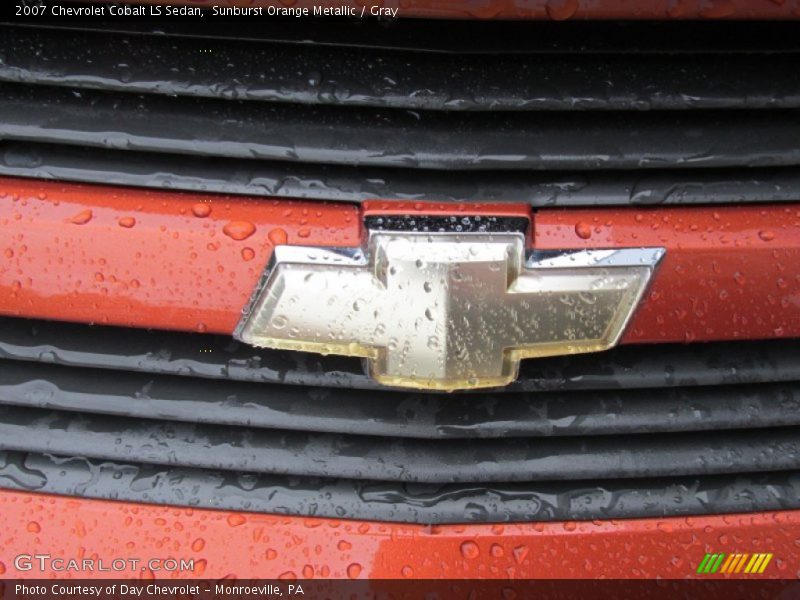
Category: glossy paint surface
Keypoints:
(147, 259)
(242, 545)
(728, 273)
(184, 261)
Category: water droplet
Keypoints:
(277, 237)
(353, 570)
(198, 544)
(34, 527)
(583, 230)
(200, 566)
(234, 520)
(82, 217)
(470, 550)
(201, 209)
(560, 10)
(239, 230)
(304, 232)
(314, 78)
(766, 235)
(248, 253)
(127, 222)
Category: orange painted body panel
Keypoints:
(163, 260)
(268, 546)
(145, 258)
(728, 273)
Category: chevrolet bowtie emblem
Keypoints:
(445, 311)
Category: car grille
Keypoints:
(201, 420)
(548, 114)
(576, 114)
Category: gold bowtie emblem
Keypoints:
(445, 311)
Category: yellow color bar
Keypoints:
(753, 564)
(765, 562)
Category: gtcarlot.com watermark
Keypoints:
(49, 563)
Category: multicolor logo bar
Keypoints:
(734, 563)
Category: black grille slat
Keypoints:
(577, 114)
(175, 353)
(307, 454)
(725, 438)
(384, 501)
(342, 75)
(356, 184)
(383, 138)
(398, 414)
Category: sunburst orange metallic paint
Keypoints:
(729, 272)
(242, 545)
(147, 259)
(173, 260)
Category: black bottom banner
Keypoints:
(233, 589)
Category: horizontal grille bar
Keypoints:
(356, 184)
(173, 353)
(383, 501)
(398, 414)
(358, 76)
(84, 410)
(402, 460)
(383, 138)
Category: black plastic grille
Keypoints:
(637, 431)
(551, 115)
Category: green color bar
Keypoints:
(701, 568)
(718, 563)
